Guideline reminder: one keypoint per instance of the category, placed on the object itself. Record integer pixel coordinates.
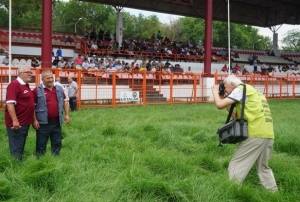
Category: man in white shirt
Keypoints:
(85, 65)
(61, 64)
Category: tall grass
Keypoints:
(152, 153)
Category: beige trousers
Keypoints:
(248, 152)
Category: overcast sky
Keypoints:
(165, 18)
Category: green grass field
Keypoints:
(152, 153)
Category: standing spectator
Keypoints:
(19, 111)
(101, 34)
(59, 52)
(48, 117)
(6, 59)
(158, 36)
(107, 36)
(57, 83)
(35, 63)
(72, 93)
(250, 59)
(93, 34)
(255, 65)
(257, 148)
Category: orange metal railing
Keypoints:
(98, 88)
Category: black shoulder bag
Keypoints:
(236, 130)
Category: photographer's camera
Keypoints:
(221, 89)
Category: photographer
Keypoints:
(257, 148)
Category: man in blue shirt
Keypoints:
(59, 52)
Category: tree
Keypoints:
(291, 41)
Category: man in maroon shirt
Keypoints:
(48, 117)
(19, 112)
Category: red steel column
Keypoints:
(46, 61)
(208, 36)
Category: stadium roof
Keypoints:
(262, 13)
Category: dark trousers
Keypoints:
(52, 130)
(17, 140)
(73, 103)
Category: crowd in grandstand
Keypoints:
(110, 64)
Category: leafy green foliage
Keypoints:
(291, 41)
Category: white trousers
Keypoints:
(248, 152)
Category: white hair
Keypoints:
(233, 79)
(21, 68)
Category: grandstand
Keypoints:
(155, 87)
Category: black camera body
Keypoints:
(221, 89)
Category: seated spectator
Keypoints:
(78, 60)
(94, 46)
(85, 65)
(276, 68)
(70, 63)
(73, 66)
(177, 69)
(263, 67)
(236, 55)
(270, 68)
(142, 69)
(70, 39)
(110, 70)
(118, 65)
(224, 68)
(63, 38)
(189, 70)
(66, 66)
(295, 71)
(167, 40)
(153, 68)
(127, 67)
(245, 71)
(237, 69)
(55, 61)
(35, 63)
(95, 60)
(115, 46)
(6, 59)
(285, 68)
(102, 65)
(92, 65)
(136, 68)
(61, 64)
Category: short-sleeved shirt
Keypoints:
(257, 111)
(78, 60)
(72, 89)
(19, 93)
(52, 103)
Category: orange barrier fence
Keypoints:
(98, 88)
